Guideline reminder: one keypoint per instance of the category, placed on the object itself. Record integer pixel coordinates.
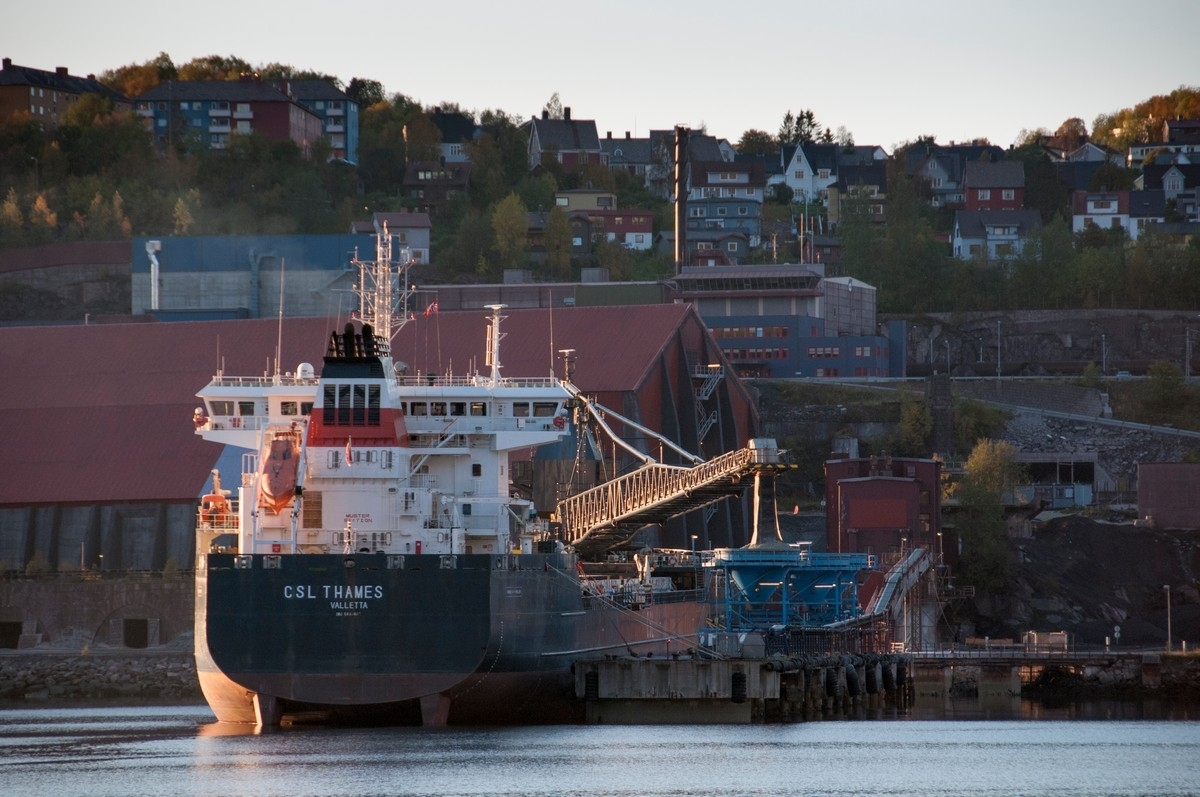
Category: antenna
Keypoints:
(279, 334)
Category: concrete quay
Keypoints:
(627, 690)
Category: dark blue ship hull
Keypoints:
(475, 639)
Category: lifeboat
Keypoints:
(278, 471)
(214, 509)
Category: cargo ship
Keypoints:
(374, 562)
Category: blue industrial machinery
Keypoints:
(777, 585)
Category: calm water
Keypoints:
(181, 751)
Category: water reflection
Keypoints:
(959, 747)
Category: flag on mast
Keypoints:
(432, 308)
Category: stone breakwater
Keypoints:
(69, 677)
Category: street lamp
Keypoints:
(1187, 355)
(999, 347)
(693, 548)
(1167, 588)
(1104, 353)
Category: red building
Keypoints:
(994, 185)
(884, 505)
(1167, 493)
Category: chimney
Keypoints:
(567, 113)
(7, 62)
(608, 135)
(60, 71)
(545, 114)
(626, 135)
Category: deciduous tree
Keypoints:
(510, 223)
(757, 142)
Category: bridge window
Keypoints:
(289, 408)
(520, 409)
(343, 405)
(418, 409)
(458, 408)
(437, 408)
(220, 408)
(478, 408)
(359, 406)
(544, 409)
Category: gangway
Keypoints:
(654, 493)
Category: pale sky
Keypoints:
(886, 71)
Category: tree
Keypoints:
(990, 471)
(422, 138)
(215, 67)
(12, 221)
(510, 223)
(1099, 273)
(365, 92)
(553, 107)
(537, 191)
(800, 128)
(992, 466)
(182, 215)
(859, 238)
(557, 239)
(1111, 177)
(916, 424)
(1166, 389)
(1071, 134)
(43, 222)
(1044, 191)
(134, 80)
(756, 142)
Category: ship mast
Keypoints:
(494, 336)
(383, 290)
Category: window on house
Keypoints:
(984, 194)
(562, 201)
(824, 174)
(798, 174)
(731, 246)
(1008, 194)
